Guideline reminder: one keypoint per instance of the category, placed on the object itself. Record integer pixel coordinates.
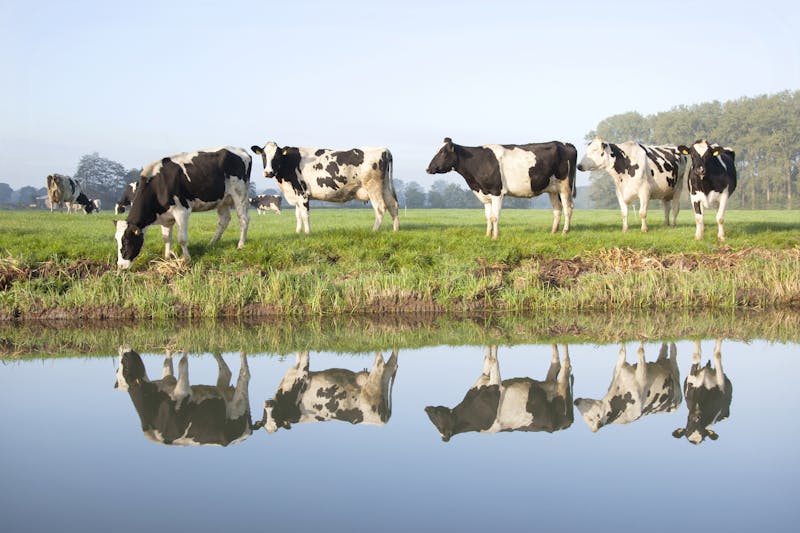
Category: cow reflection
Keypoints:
(173, 412)
(636, 390)
(334, 394)
(517, 404)
(708, 394)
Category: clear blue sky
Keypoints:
(139, 80)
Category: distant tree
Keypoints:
(26, 195)
(102, 178)
(450, 195)
(5, 193)
(414, 195)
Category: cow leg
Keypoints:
(497, 203)
(567, 202)
(224, 214)
(181, 217)
(667, 205)
(723, 201)
(555, 200)
(623, 209)
(555, 364)
(698, 220)
(379, 209)
(491, 369)
(301, 214)
(641, 366)
(643, 200)
(564, 373)
(240, 403)
(718, 373)
(167, 370)
(621, 360)
(676, 207)
(224, 372)
(182, 389)
(166, 236)
(241, 207)
(487, 210)
(394, 209)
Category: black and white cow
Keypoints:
(126, 199)
(266, 202)
(518, 404)
(65, 191)
(712, 179)
(636, 390)
(334, 394)
(708, 394)
(170, 189)
(305, 174)
(640, 172)
(174, 412)
(493, 171)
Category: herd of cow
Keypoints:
(171, 188)
(172, 411)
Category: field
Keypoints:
(59, 265)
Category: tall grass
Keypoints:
(439, 261)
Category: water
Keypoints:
(75, 457)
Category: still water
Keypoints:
(440, 438)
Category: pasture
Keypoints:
(65, 265)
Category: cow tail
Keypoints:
(389, 171)
(571, 169)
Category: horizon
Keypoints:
(139, 82)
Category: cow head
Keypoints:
(701, 153)
(130, 371)
(130, 240)
(445, 159)
(272, 420)
(271, 156)
(597, 156)
(442, 418)
(696, 429)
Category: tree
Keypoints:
(5, 193)
(414, 195)
(103, 178)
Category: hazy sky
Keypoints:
(139, 80)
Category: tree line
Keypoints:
(764, 132)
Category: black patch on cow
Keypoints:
(286, 165)
(354, 416)
(286, 405)
(320, 152)
(354, 157)
(476, 412)
(617, 406)
(717, 177)
(317, 166)
(333, 180)
(622, 163)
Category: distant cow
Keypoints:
(493, 171)
(712, 179)
(126, 199)
(636, 390)
(172, 188)
(174, 412)
(640, 172)
(333, 394)
(708, 394)
(266, 202)
(65, 191)
(518, 404)
(305, 174)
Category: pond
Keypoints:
(565, 435)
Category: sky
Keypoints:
(137, 81)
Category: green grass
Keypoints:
(439, 261)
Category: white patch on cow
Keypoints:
(701, 147)
(514, 166)
(122, 225)
(270, 149)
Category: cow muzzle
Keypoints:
(123, 264)
(269, 174)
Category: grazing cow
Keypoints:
(712, 179)
(493, 171)
(173, 412)
(640, 171)
(172, 188)
(636, 390)
(306, 174)
(266, 202)
(518, 404)
(333, 394)
(65, 191)
(126, 199)
(708, 394)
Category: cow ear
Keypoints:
(257, 149)
(603, 145)
(712, 435)
(684, 150)
(165, 160)
(716, 152)
(678, 433)
(285, 151)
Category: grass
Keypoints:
(58, 265)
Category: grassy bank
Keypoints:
(63, 266)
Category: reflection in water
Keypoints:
(334, 394)
(517, 404)
(708, 397)
(636, 390)
(174, 412)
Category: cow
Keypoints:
(173, 187)
(493, 171)
(65, 191)
(266, 202)
(640, 172)
(126, 198)
(708, 393)
(173, 412)
(636, 390)
(333, 394)
(305, 174)
(712, 179)
(518, 404)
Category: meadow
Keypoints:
(54, 265)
